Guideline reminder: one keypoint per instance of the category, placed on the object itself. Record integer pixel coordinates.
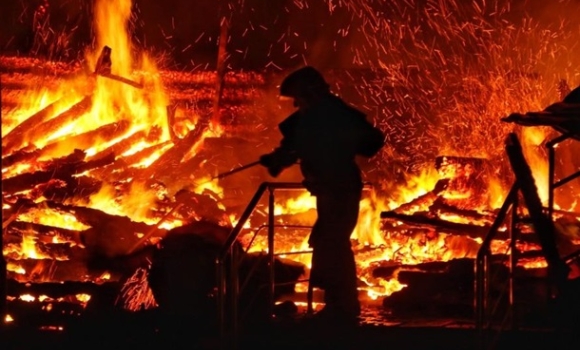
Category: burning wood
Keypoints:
(16, 135)
(48, 127)
(419, 220)
(86, 140)
(62, 170)
(130, 152)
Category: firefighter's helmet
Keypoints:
(302, 82)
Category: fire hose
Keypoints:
(178, 205)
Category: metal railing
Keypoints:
(484, 315)
(482, 302)
(228, 278)
(551, 145)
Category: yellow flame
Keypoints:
(301, 204)
(83, 298)
(27, 297)
(135, 203)
(54, 218)
(10, 266)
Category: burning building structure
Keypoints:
(96, 148)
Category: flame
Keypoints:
(302, 203)
(145, 111)
(50, 217)
(135, 203)
(27, 297)
(207, 183)
(368, 229)
(532, 139)
(29, 246)
(83, 298)
(415, 186)
(8, 318)
(10, 266)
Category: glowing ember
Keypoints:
(27, 297)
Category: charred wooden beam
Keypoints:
(49, 126)
(122, 146)
(86, 140)
(57, 289)
(543, 224)
(443, 207)
(27, 180)
(95, 217)
(54, 270)
(426, 200)
(125, 164)
(172, 158)
(420, 220)
(79, 187)
(454, 267)
(21, 155)
(59, 170)
(15, 136)
(419, 203)
(57, 251)
(108, 235)
(46, 313)
(139, 156)
(220, 68)
(43, 233)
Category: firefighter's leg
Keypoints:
(333, 260)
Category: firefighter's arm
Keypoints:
(281, 158)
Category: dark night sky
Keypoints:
(186, 30)
(264, 31)
(284, 33)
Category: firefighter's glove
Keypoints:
(271, 163)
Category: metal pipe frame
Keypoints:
(481, 261)
(228, 250)
(271, 257)
(552, 185)
(513, 263)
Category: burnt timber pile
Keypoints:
(61, 277)
(438, 287)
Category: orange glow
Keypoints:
(465, 125)
(53, 218)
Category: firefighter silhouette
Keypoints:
(325, 135)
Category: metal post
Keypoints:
(551, 170)
(221, 65)
(479, 294)
(481, 263)
(480, 300)
(234, 294)
(221, 298)
(271, 256)
(513, 260)
(309, 297)
(485, 274)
